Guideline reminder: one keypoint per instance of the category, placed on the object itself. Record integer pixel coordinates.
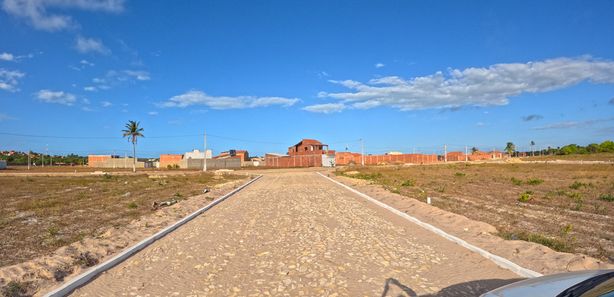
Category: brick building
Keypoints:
(167, 160)
(309, 147)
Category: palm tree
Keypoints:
(510, 148)
(133, 131)
(532, 150)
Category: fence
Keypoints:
(212, 164)
(299, 161)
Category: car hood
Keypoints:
(545, 286)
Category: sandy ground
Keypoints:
(42, 273)
(526, 254)
(294, 233)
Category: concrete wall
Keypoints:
(346, 158)
(2, 164)
(293, 161)
(114, 163)
(212, 164)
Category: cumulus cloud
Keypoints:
(379, 65)
(532, 117)
(7, 57)
(153, 113)
(325, 108)
(106, 104)
(9, 79)
(37, 12)
(58, 97)
(488, 86)
(573, 124)
(86, 45)
(226, 102)
(90, 89)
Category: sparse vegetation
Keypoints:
(52, 211)
(408, 183)
(607, 197)
(553, 243)
(489, 193)
(15, 289)
(526, 196)
(534, 181)
(86, 260)
(516, 181)
(459, 174)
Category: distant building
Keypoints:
(171, 160)
(243, 155)
(309, 147)
(109, 161)
(197, 154)
(2, 164)
(393, 153)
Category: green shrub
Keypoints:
(607, 197)
(132, 205)
(577, 185)
(534, 181)
(526, 196)
(516, 181)
(553, 243)
(15, 289)
(408, 183)
(459, 174)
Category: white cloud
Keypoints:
(37, 12)
(139, 75)
(153, 113)
(7, 57)
(9, 79)
(379, 65)
(86, 63)
(493, 85)
(90, 89)
(573, 124)
(325, 108)
(106, 104)
(90, 45)
(115, 78)
(59, 97)
(226, 102)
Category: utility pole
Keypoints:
(205, 152)
(445, 153)
(362, 154)
(466, 156)
(43, 157)
(29, 159)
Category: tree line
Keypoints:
(570, 149)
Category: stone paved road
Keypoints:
(298, 234)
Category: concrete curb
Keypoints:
(500, 261)
(91, 273)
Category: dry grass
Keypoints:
(575, 157)
(39, 214)
(565, 206)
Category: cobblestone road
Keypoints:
(298, 234)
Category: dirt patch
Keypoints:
(60, 226)
(565, 207)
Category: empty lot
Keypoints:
(39, 214)
(567, 207)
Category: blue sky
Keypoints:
(261, 75)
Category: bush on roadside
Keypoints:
(526, 196)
